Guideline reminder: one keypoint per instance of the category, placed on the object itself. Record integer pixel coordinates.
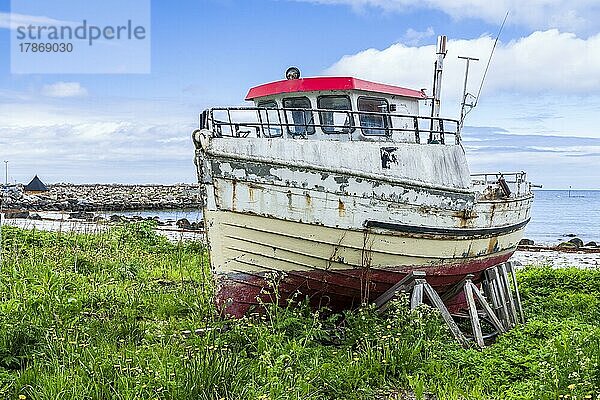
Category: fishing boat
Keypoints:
(335, 188)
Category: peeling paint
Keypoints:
(341, 209)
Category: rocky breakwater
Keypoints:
(104, 197)
(572, 245)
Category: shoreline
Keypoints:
(56, 221)
(177, 230)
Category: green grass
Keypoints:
(101, 317)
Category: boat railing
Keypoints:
(510, 184)
(304, 122)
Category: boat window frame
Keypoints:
(261, 104)
(386, 121)
(310, 126)
(332, 130)
(273, 105)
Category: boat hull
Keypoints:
(337, 222)
(261, 259)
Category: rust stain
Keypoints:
(492, 245)
(341, 208)
(233, 195)
(308, 199)
(251, 193)
(465, 216)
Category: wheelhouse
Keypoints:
(332, 108)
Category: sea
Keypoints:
(558, 213)
(556, 216)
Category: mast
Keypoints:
(435, 134)
(465, 96)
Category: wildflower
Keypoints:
(22, 397)
(571, 386)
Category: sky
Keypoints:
(539, 109)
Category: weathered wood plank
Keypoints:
(488, 310)
(475, 324)
(499, 290)
(509, 297)
(402, 286)
(456, 289)
(417, 295)
(513, 276)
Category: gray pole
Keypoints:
(464, 113)
(435, 134)
(5, 173)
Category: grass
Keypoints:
(113, 316)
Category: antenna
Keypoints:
(435, 128)
(474, 100)
(466, 95)
(490, 60)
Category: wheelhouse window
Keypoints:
(302, 122)
(333, 121)
(372, 124)
(270, 119)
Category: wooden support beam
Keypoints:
(456, 289)
(503, 313)
(416, 299)
(499, 290)
(475, 324)
(489, 291)
(404, 285)
(512, 311)
(513, 276)
(487, 309)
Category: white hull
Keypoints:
(333, 216)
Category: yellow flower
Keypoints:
(571, 386)
(22, 397)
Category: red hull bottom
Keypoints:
(339, 290)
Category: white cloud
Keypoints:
(543, 62)
(64, 89)
(85, 140)
(574, 15)
(413, 37)
(13, 20)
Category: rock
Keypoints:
(105, 197)
(16, 214)
(566, 245)
(81, 215)
(572, 235)
(591, 244)
(577, 242)
(183, 223)
(116, 218)
(526, 242)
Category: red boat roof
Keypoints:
(329, 83)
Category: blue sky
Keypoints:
(539, 110)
